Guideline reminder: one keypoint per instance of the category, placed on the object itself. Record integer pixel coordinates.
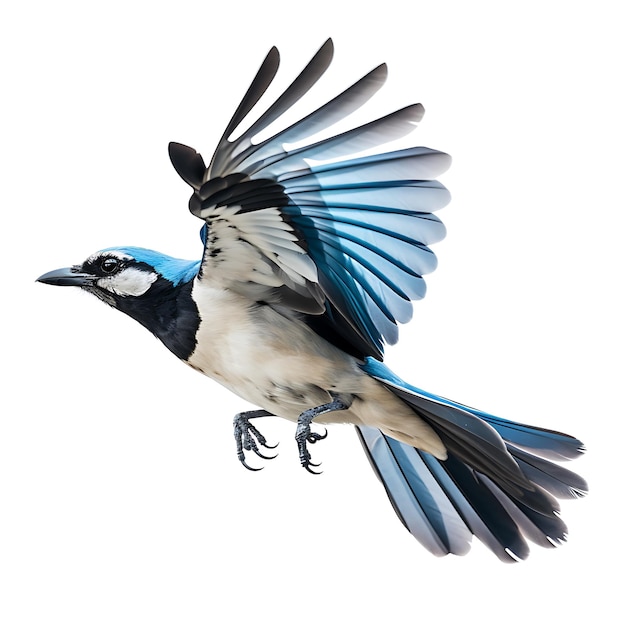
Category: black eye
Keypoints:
(109, 265)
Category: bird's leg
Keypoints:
(247, 437)
(303, 430)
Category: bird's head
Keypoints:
(118, 275)
(152, 288)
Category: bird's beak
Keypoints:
(67, 277)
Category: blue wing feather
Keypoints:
(409, 254)
(355, 304)
(405, 283)
(388, 197)
(423, 227)
(395, 306)
(403, 196)
(399, 167)
(362, 215)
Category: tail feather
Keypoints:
(559, 481)
(550, 444)
(498, 483)
(543, 529)
(416, 494)
(467, 437)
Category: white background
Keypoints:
(122, 499)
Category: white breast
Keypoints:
(270, 360)
(279, 364)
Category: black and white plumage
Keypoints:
(313, 252)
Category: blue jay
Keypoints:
(313, 252)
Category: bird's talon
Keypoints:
(262, 456)
(248, 437)
(249, 467)
(307, 467)
(304, 434)
(315, 437)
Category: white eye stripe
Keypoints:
(129, 282)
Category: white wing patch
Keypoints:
(256, 250)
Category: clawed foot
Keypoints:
(248, 437)
(305, 435)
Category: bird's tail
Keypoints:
(499, 482)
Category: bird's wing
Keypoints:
(316, 226)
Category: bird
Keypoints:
(315, 246)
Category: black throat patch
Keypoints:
(167, 311)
